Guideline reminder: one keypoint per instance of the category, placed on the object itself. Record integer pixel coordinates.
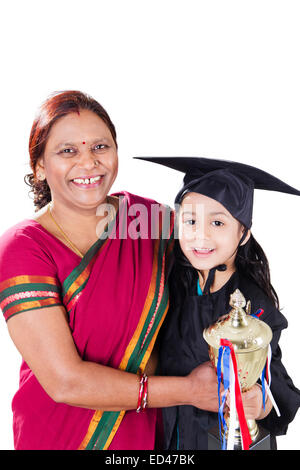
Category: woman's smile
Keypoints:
(88, 182)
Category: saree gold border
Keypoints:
(152, 342)
(29, 306)
(150, 296)
(114, 429)
(83, 276)
(77, 283)
(13, 281)
(143, 365)
(92, 428)
(130, 348)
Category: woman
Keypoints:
(84, 293)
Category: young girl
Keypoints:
(215, 254)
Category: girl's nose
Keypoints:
(202, 232)
(202, 225)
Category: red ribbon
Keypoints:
(246, 438)
(267, 371)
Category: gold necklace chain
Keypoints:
(65, 235)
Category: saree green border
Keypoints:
(109, 421)
(104, 429)
(102, 434)
(28, 296)
(28, 287)
(163, 303)
(30, 305)
(24, 301)
(86, 263)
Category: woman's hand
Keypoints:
(204, 387)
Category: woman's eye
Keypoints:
(217, 223)
(100, 147)
(67, 150)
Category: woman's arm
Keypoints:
(44, 339)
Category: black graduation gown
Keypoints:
(182, 348)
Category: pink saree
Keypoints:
(116, 298)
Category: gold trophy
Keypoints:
(250, 338)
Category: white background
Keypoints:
(199, 78)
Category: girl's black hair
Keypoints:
(250, 261)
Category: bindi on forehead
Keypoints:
(83, 143)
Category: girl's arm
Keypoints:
(44, 340)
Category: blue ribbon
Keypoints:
(219, 375)
(257, 313)
(224, 352)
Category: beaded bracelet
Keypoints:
(143, 394)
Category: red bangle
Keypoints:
(143, 393)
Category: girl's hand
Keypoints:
(253, 403)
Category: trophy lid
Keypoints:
(246, 333)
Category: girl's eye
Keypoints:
(217, 223)
(189, 222)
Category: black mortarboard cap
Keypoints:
(230, 183)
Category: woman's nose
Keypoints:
(86, 159)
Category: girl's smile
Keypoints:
(203, 252)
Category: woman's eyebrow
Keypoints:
(98, 139)
(60, 144)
